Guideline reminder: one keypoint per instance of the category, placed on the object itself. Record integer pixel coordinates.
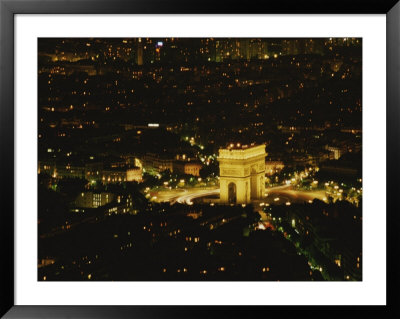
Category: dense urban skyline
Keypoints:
(131, 164)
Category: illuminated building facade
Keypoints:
(93, 199)
(187, 166)
(134, 174)
(159, 163)
(193, 168)
(115, 175)
(242, 173)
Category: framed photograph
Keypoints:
(173, 159)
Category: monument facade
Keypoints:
(241, 173)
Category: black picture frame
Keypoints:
(8, 10)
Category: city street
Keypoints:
(274, 195)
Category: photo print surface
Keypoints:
(199, 159)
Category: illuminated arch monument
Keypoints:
(241, 173)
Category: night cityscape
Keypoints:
(199, 159)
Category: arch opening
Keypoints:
(232, 193)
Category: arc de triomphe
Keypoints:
(241, 173)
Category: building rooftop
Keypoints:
(239, 146)
(238, 151)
